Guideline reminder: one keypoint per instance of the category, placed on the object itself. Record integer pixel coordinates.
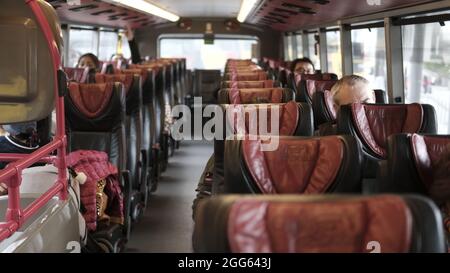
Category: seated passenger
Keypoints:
(440, 190)
(303, 66)
(20, 138)
(90, 61)
(349, 89)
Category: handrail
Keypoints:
(12, 174)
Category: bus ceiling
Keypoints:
(280, 15)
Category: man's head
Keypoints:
(303, 66)
(351, 89)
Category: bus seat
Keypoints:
(79, 75)
(380, 96)
(295, 119)
(318, 224)
(248, 84)
(253, 76)
(410, 162)
(283, 77)
(303, 92)
(135, 149)
(372, 124)
(26, 93)
(323, 109)
(309, 165)
(257, 95)
(96, 120)
(150, 140)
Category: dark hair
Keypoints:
(301, 60)
(93, 57)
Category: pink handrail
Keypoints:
(12, 174)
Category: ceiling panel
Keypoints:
(201, 8)
(94, 12)
(291, 15)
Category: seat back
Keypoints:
(310, 166)
(26, 93)
(206, 85)
(96, 117)
(372, 124)
(411, 162)
(322, 105)
(134, 122)
(255, 95)
(319, 224)
(247, 76)
(79, 75)
(248, 84)
(304, 90)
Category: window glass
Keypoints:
(125, 47)
(289, 56)
(206, 56)
(334, 52)
(81, 41)
(299, 46)
(108, 45)
(369, 56)
(313, 50)
(426, 63)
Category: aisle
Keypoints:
(167, 224)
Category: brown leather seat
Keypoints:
(318, 224)
(255, 95)
(304, 90)
(298, 165)
(411, 162)
(372, 124)
(248, 84)
(96, 120)
(294, 119)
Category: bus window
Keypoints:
(369, 56)
(125, 48)
(108, 45)
(206, 56)
(426, 62)
(289, 48)
(313, 50)
(81, 41)
(299, 46)
(334, 53)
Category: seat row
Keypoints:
(391, 146)
(126, 114)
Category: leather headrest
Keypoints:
(248, 84)
(309, 165)
(257, 95)
(313, 86)
(427, 150)
(125, 79)
(91, 99)
(135, 71)
(375, 122)
(252, 116)
(326, 226)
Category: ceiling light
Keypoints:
(144, 6)
(246, 7)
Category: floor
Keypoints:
(167, 224)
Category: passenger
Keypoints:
(303, 66)
(349, 89)
(440, 190)
(20, 138)
(90, 61)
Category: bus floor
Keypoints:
(167, 225)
